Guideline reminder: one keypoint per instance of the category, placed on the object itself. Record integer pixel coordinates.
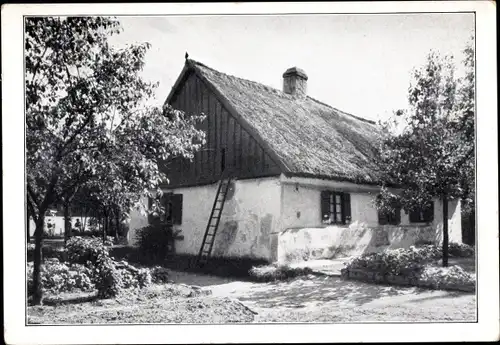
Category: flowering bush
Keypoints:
(460, 250)
(94, 254)
(107, 278)
(92, 267)
(57, 277)
(86, 249)
(442, 277)
(396, 261)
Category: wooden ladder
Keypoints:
(213, 222)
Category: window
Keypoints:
(388, 217)
(423, 214)
(335, 207)
(171, 205)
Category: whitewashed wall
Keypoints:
(251, 213)
(279, 219)
(304, 237)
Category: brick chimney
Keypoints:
(295, 82)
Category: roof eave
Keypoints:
(333, 178)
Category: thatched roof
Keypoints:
(309, 137)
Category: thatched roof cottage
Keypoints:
(303, 175)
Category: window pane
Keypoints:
(339, 217)
(337, 198)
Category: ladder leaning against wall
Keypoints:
(213, 221)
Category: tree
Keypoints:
(428, 149)
(88, 122)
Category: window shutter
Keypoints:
(325, 205)
(398, 216)
(346, 201)
(166, 198)
(177, 209)
(414, 216)
(382, 217)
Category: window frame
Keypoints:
(389, 218)
(173, 213)
(425, 214)
(336, 200)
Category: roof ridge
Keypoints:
(239, 78)
(280, 91)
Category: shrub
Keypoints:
(57, 277)
(94, 254)
(153, 240)
(396, 261)
(444, 277)
(84, 249)
(159, 274)
(90, 267)
(133, 277)
(460, 250)
(107, 278)
(275, 272)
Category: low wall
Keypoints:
(342, 241)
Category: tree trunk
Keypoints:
(37, 261)
(85, 219)
(105, 228)
(117, 221)
(445, 231)
(67, 222)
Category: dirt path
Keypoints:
(331, 299)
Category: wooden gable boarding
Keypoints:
(229, 145)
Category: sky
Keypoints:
(360, 63)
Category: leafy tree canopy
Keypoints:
(88, 122)
(428, 149)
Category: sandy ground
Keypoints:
(226, 300)
(331, 299)
(165, 303)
